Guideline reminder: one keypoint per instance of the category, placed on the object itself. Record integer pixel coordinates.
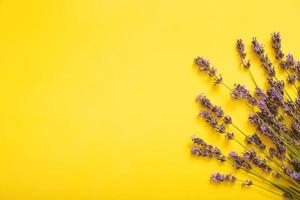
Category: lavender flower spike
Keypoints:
(203, 149)
(241, 50)
(260, 52)
(276, 45)
(218, 178)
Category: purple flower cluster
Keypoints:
(240, 92)
(293, 174)
(205, 102)
(255, 139)
(257, 161)
(206, 150)
(218, 178)
(209, 118)
(260, 52)
(288, 63)
(204, 66)
(229, 136)
(239, 162)
(265, 126)
(241, 50)
(276, 44)
(228, 120)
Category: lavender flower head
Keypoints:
(241, 50)
(260, 52)
(276, 45)
(240, 92)
(288, 62)
(205, 102)
(203, 64)
(205, 150)
(257, 48)
(256, 140)
(238, 161)
(218, 178)
(209, 118)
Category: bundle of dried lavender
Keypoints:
(276, 116)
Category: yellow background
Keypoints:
(97, 96)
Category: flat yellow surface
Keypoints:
(97, 96)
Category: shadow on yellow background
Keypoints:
(98, 96)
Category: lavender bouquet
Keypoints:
(275, 115)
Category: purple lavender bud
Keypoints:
(217, 177)
(287, 171)
(232, 154)
(248, 140)
(228, 120)
(260, 94)
(212, 72)
(218, 79)
(253, 118)
(291, 78)
(216, 151)
(295, 176)
(250, 155)
(195, 151)
(229, 136)
(288, 62)
(247, 155)
(218, 111)
(221, 128)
